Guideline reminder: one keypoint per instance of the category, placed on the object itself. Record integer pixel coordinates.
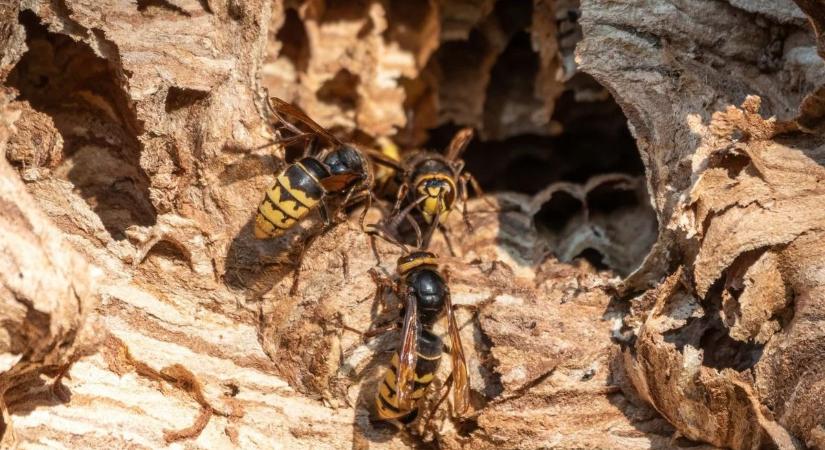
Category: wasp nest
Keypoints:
(644, 270)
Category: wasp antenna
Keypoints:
(417, 230)
(396, 220)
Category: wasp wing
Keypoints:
(280, 107)
(461, 388)
(459, 143)
(336, 183)
(408, 356)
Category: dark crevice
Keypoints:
(406, 19)
(785, 315)
(513, 15)
(512, 88)
(294, 40)
(169, 251)
(710, 335)
(586, 136)
(179, 98)
(458, 60)
(734, 284)
(493, 385)
(341, 90)
(83, 96)
(466, 427)
(734, 162)
(350, 11)
(689, 333)
(208, 8)
(234, 9)
(595, 139)
(594, 257)
(558, 211)
(146, 6)
(511, 100)
(608, 197)
(721, 351)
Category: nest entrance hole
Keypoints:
(83, 96)
(593, 140)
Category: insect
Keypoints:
(341, 169)
(432, 183)
(304, 185)
(425, 295)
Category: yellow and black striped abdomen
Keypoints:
(386, 401)
(295, 193)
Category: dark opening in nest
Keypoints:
(83, 95)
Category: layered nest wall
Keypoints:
(647, 275)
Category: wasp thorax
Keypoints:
(345, 160)
(430, 291)
(314, 168)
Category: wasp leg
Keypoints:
(324, 212)
(374, 248)
(448, 384)
(339, 320)
(383, 284)
(480, 192)
(309, 148)
(394, 221)
(478, 307)
(371, 333)
(447, 239)
(399, 197)
(462, 186)
(380, 230)
(363, 216)
(348, 200)
(292, 139)
(416, 229)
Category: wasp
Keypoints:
(433, 183)
(425, 295)
(342, 169)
